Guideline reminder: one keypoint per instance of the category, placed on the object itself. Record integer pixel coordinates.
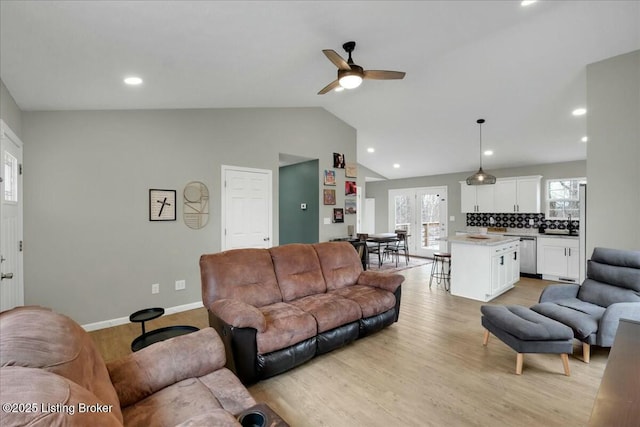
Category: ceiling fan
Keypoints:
(351, 75)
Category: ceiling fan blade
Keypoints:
(337, 60)
(328, 88)
(384, 75)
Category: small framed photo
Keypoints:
(350, 188)
(329, 197)
(162, 205)
(350, 207)
(351, 170)
(338, 160)
(329, 177)
(338, 215)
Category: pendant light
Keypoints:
(481, 177)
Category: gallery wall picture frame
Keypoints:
(350, 188)
(329, 196)
(338, 215)
(195, 205)
(338, 160)
(350, 207)
(162, 205)
(351, 170)
(329, 177)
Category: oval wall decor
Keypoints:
(196, 205)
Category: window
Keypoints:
(563, 197)
(11, 177)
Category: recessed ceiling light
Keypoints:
(488, 153)
(584, 139)
(133, 81)
(527, 2)
(579, 111)
(396, 165)
(371, 150)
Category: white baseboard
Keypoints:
(123, 320)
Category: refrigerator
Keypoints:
(583, 233)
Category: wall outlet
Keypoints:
(532, 221)
(180, 285)
(452, 218)
(155, 288)
(303, 206)
(492, 220)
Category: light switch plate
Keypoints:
(180, 285)
(155, 288)
(303, 206)
(327, 221)
(452, 218)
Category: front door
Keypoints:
(246, 208)
(11, 274)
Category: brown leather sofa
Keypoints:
(277, 308)
(52, 374)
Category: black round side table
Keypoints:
(145, 315)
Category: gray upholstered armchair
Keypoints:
(610, 292)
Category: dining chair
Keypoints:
(400, 245)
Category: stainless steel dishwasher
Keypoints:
(528, 253)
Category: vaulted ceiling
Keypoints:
(520, 68)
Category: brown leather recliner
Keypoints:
(278, 308)
(53, 374)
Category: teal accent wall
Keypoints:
(299, 184)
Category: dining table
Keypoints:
(380, 239)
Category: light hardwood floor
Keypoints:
(429, 369)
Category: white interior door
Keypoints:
(246, 208)
(369, 225)
(11, 270)
(423, 213)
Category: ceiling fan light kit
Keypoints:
(350, 75)
(481, 177)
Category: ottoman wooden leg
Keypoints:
(586, 352)
(519, 362)
(485, 338)
(565, 363)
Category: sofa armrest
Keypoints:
(388, 282)
(160, 365)
(612, 315)
(239, 314)
(558, 292)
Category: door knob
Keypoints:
(6, 276)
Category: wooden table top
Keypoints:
(618, 400)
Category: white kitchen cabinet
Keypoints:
(558, 258)
(476, 198)
(482, 271)
(519, 194)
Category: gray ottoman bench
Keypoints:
(526, 331)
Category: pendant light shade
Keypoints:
(481, 177)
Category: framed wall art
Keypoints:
(162, 205)
(350, 188)
(338, 160)
(329, 177)
(351, 170)
(329, 197)
(338, 215)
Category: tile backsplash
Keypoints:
(518, 220)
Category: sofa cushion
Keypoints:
(371, 300)
(171, 405)
(243, 274)
(581, 316)
(56, 401)
(340, 263)
(329, 310)
(298, 271)
(215, 417)
(604, 294)
(36, 337)
(286, 325)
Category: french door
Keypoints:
(423, 213)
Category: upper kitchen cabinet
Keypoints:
(476, 198)
(519, 194)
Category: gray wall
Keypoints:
(299, 184)
(10, 112)
(613, 153)
(380, 189)
(90, 251)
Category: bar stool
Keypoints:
(438, 271)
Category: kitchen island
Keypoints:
(483, 265)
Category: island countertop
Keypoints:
(488, 240)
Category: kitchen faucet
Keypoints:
(570, 225)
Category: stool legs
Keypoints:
(520, 357)
(439, 272)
